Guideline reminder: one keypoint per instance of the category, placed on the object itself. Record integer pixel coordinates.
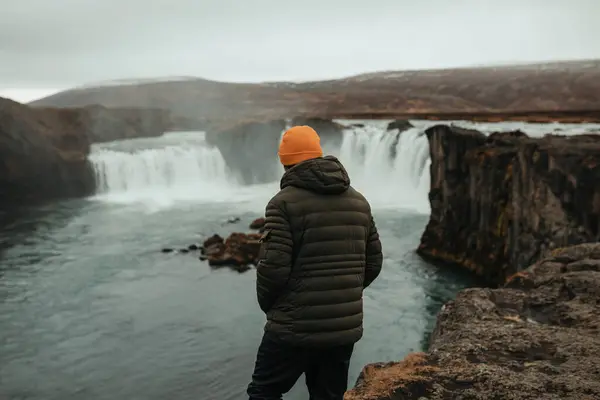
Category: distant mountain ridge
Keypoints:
(565, 86)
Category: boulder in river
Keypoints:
(536, 338)
(258, 224)
(239, 250)
(400, 125)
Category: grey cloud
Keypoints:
(60, 43)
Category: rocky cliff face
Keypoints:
(102, 124)
(498, 203)
(250, 148)
(42, 156)
(43, 151)
(536, 338)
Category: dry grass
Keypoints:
(518, 275)
(381, 382)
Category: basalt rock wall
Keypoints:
(500, 202)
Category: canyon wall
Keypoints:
(41, 157)
(498, 203)
(43, 151)
(102, 124)
(250, 148)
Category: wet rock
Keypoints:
(167, 250)
(498, 203)
(212, 241)
(258, 224)
(232, 220)
(193, 247)
(400, 124)
(536, 338)
(238, 251)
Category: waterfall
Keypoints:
(177, 166)
(389, 168)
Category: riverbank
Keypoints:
(535, 338)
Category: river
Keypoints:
(90, 308)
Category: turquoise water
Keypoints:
(91, 309)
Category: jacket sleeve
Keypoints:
(374, 255)
(275, 260)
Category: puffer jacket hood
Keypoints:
(323, 175)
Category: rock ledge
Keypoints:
(535, 338)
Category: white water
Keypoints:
(400, 182)
(159, 172)
(181, 167)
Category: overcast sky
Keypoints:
(48, 45)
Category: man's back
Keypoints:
(320, 250)
(323, 229)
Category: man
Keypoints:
(320, 249)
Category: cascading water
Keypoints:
(167, 168)
(390, 168)
(175, 167)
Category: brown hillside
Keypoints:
(566, 87)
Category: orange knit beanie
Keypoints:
(299, 143)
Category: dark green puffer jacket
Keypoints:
(320, 250)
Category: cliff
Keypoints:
(535, 338)
(102, 124)
(250, 148)
(43, 151)
(498, 203)
(565, 91)
(41, 157)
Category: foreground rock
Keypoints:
(238, 251)
(498, 203)
(536, 338)
(43, 156)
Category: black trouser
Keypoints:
(278, 367)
